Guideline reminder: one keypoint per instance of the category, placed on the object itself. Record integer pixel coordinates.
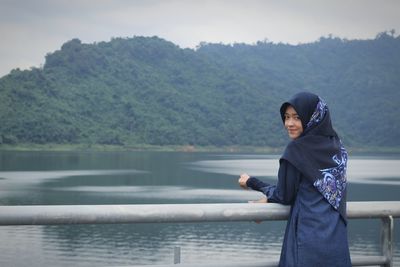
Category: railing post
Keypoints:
(177, 255)
(387, 240)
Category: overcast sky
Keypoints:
(31, 29)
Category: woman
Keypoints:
(312, 179)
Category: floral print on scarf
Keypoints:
(319, 113)
(333, 183)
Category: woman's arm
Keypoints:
(286, 189)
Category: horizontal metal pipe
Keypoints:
(217, 264)
(355, 261)
(368, 260)
(172, 213)
(373, 209)
(165, 213)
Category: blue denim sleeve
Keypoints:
(284, 192)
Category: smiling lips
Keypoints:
(292, 131)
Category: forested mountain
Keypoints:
(146, 90)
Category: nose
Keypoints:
(289, 122)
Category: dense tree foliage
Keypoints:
(146, 90)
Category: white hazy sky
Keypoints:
(31, 29)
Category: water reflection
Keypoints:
(169, 192)
(50, 178)
(32, 177)
(367, 171)
(94, 245)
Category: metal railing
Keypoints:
(195, 213)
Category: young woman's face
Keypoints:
(293, 123)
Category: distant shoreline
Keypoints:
(144, 147)
(175, 148)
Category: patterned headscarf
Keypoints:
(318, 152)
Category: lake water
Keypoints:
(55, 178)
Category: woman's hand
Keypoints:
(243, 183)
(243, 180)
(261, 200)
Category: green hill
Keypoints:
(146, 90)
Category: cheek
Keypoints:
(300, 126)
(286, 124)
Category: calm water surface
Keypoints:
(55, 178)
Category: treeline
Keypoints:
(146, 90)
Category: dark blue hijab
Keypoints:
(318, 152)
